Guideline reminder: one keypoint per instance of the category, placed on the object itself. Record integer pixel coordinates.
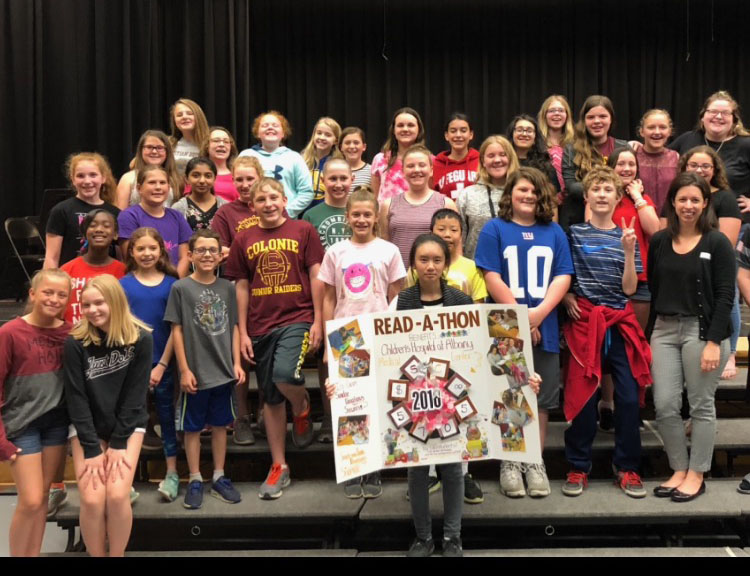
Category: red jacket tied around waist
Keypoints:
(585, 337)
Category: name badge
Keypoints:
(706, 255)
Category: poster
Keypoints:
(424, 387)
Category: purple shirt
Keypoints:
(172, 226)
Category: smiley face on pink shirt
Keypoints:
(357, 278)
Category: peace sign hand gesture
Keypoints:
(628, 236)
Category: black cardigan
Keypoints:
(410, 299)
(714, 289)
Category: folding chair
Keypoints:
(27, 244)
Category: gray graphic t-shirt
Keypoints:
(207, 314)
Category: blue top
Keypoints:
(173, 228)
(599, 262)
(148, 303)
(527, 258)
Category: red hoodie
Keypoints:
(450, 176)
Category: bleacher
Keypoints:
(313, 516)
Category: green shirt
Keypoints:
(330, 222)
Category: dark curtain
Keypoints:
(92, 75)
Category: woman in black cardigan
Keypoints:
(691, 273)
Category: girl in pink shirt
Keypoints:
(361, 275)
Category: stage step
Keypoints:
(602, 503)
(674, 552)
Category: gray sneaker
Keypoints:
(511, 479)
(537, 482)
(353, 488)
(243, 434)
(371, 486)
(277, 479)
(58, 497)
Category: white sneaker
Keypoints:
(537, 481)
(511, 479)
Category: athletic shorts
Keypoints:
(279, 356)
(49, 429)
(212, 407)
(547, 365)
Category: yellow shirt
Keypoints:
(462, 275)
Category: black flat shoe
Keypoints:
(678, 496)
(663, 492)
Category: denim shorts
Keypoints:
(50, 429)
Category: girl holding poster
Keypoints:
(525, 259)
(429, 258)
(361, 276)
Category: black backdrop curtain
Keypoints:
(92, 75)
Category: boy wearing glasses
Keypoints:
(203, 311)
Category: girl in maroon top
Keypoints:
(657, 163)
(33, 412)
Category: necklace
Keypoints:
(720, 145)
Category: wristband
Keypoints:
(641, 204)
(162, 364)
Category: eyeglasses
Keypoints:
(556, 111)
(704, 167)
(213, 251)
(220, 141)
(520, 130)
(721, 113)
(150, 148)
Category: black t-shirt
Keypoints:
(65, 220)
(723, 203)
(735, 154)
(675, 272)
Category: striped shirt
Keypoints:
(362, 176)
(599, 262)
(406, 221)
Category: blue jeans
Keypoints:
(164, 400)
(580, 436)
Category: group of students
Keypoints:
(244, 269)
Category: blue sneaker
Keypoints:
(224, 491)
(194, 495)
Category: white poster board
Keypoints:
(436, 386)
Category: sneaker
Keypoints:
(58, 497)
(170, 486)
(277, 479)
(372, 486)
(433, 485)
(631, 483)
(194, 495)
(325, 434)
(511, 479)
(606, 418)
(353, 488)
(743, 488)
(575, 483)
(225, 491)
(421, 548)
(302, 428)
(452, 547)
(243, 434)
(134, 495)
(472, 491)
(537, 482)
